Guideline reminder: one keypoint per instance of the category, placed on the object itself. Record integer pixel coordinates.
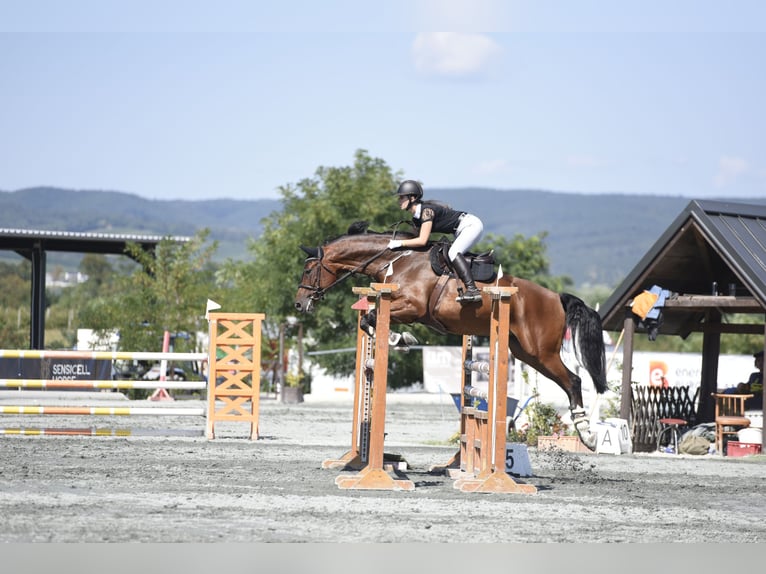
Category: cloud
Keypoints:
(729, 170)
(452, 54)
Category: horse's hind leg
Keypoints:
(551, 366)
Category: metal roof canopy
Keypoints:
(713, 259)
(34, 245)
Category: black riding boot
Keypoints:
(463, 270)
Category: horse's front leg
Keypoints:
(402, 312)
(368, 321)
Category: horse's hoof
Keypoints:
(589, 439)
(582, 426)
(400, 342)
(409, 338)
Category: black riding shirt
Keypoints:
(444, 219)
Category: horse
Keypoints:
(539, 317)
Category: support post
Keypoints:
(374, 476)
(626, 394)
(492, 476)
(356, 457)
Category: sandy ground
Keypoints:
(188, 489)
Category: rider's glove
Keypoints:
(394, 244)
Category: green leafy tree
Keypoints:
(100, 274)
(525, 257)
(314, 210)
(166, 291)
(14, 304)
(322, 207)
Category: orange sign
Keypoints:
(658, 374)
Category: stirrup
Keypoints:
(469, 296)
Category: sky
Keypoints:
(186, 99)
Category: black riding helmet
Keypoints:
(410, 187)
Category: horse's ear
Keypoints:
(358, 227)
(310, 251)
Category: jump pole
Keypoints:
(99, 384)
(101, 355)
(374, 476)
(233, 388)
(491, 449)
(101, 411)
(98, 432)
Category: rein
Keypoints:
(319, 292)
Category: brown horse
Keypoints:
(538, 323)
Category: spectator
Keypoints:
(754, 385)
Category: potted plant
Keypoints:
(545, 430)
(292, 390)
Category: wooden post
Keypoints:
(626, 394)
(492, 476)
(356, 457)
(374, 476)
(711, 351)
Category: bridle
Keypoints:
(317, 291)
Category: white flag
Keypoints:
(389, 271)
(499, 274)
(211, 306)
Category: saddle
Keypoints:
(482, 265)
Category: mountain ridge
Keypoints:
(596, 239)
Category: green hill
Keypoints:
(595, 239)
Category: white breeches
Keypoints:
(467, 233)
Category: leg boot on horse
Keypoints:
(463, 269)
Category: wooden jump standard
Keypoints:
(368, 429)
(357, 456)
(481, 458)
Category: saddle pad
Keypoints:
(482, 266)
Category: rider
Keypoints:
(432, 216)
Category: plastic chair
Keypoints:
(729, 417)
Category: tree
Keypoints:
(167, 291)
(15, 304)
(322, 207)
(99, 272)
(314, 210)
(524, 257)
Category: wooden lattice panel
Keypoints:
(234, 378)
(650, 404)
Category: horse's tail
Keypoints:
(587, 338)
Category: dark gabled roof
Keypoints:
(709, 247)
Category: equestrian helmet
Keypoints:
(410, 187)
